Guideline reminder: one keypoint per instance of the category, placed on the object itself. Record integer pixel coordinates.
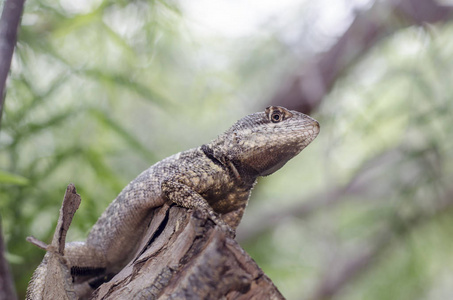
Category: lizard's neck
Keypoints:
(216, 152)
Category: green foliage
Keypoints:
(8, 178)
(100, 90)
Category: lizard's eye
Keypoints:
(276, 117)
(276, 114)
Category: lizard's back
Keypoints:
(120, 232)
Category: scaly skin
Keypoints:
(216, 177)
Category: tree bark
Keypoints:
(182, 255)
(52, 279)
(185, 256)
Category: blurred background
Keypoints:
(100, 90)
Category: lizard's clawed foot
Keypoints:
(227, 229)
(229, 232)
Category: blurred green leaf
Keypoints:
(9, 178)
(128, 137)
(127, 82)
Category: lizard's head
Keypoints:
(263, 142)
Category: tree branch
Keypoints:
(9, 25)
(305, 90)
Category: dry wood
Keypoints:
(185, 256)
(52, 279)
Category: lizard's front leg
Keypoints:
(184, 196)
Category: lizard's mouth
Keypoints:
(274, 168)
(274, 163)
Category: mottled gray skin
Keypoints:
(216, 177)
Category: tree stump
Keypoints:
(184, 255)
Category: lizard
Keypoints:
(216, 178)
